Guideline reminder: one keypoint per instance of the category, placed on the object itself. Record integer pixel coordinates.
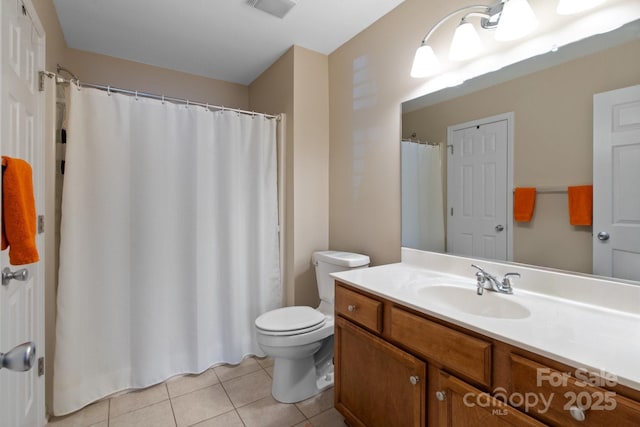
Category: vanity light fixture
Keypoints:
(511, 20)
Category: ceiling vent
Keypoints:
(277, 8)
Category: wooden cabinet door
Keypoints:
(377, 384)
(462, 405)
(593, 406)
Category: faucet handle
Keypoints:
(507, 281)
(481, 275)
(481, 270)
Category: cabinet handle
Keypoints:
(441, 395)
(577, 413)
(351, 308)
(414, 379)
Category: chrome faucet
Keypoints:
(486, 280)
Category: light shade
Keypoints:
(516, 21)
(569, 7)
(466, 42)
(425, 63)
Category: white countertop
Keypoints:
(585, 330)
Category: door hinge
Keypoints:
(40, 224)
(41, 366)
(41, 76)
(451, 211)
(450, 146)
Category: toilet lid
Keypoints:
(290, 320)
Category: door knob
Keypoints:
(20, 275)
(19, 358)
(414, 379)
(603, 235)
(499, 228)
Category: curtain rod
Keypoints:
(111, 89)
(421, 142)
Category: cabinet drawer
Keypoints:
(359, 308)
(554, 395)
(467, 356)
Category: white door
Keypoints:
(478, 196)
(616, 183)
(22, 302)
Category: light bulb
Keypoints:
(466, 42)
(516, 20)
(425, 63)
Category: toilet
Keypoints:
(300, 338)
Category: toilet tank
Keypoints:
(327, 262)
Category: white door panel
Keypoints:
(616, 178)
(21, 302)
(477, 189)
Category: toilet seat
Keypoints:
(290, 321)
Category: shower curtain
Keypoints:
(422, 197)
(169, 242)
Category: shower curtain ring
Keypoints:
(109, 90)
(163, 99)
(136, 95)
(187, 103)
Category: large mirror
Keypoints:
(548, 101)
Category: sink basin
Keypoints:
(466, 300)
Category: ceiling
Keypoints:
(222, 39)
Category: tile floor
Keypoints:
(224, 396)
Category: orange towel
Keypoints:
(581, 205)
(524, 200)
(18, 212)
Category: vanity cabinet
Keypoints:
(398, 367)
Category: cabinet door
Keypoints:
(571, 401)
(465, 406)
(376, 383)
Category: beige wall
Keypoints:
(310, 168)
(107, 70)
(297, 84)
(369, 78)
(273, 91)
(553, 143)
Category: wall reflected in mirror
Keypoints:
(551, 98)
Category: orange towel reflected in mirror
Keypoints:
(524, 200)
(581, 205)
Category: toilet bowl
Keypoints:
(300, 338)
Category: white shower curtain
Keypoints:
(422, 197)
(169, 242)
